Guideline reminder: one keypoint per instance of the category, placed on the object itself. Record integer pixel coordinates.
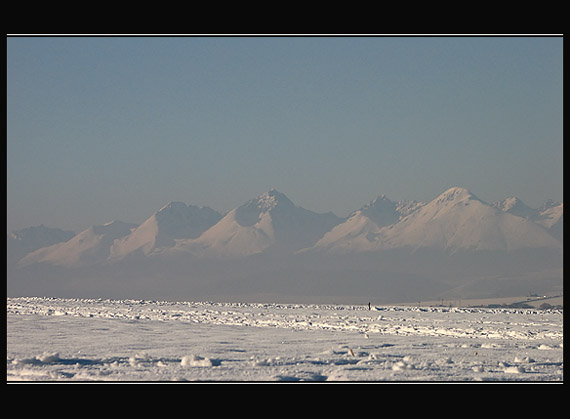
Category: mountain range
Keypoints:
(455, 220)
(271, 226)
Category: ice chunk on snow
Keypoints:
(515, 369)
(48, 357)
(44, 358)
(195, 361)
(401, 366)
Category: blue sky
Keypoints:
(113, 128)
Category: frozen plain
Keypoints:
(85, 340)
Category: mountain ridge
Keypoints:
(89, 247)
(270, 220)
(173, 221)
(455, 245)
(455, 219)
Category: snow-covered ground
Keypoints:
(132, 340)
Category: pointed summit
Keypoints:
(90, 247)
(271, 220)
(24, 241)
(269, 200)
(186, 221)
(251, 212)
(455, 194)
(515, 206)
(175, 220)
(360, 231)
(381, 202)
(551, 217)
(381, 211)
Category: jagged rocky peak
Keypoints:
(382, 202)
(271, 199)
(515, 206)
(250, 212)
(510, 203)
(381, 211)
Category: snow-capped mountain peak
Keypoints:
(183, 220)
(454, 195)
(268, 221)
(90, 247)
(267, 201)
(360, 230)
(175, 220)
(551, 217)
(509, 203)
(548, 205)
(254, 210)
(270, 199)
(456, 219)
(515, 206)
(380, 203)
(381, 211)
(24, 241)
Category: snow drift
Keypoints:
(138, 340)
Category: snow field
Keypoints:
(131, 340)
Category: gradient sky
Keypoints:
(113, 128)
